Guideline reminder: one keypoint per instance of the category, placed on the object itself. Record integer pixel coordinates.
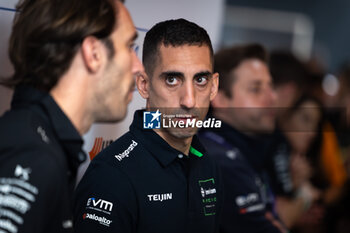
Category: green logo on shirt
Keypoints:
(208, 193)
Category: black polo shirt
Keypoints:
(141, 184)
(40, 151)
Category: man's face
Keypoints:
(118, 76)
(182, 83)
(252, 98)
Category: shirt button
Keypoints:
(180, 156)
(81, 157)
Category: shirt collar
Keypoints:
(253, 148)
(157, 146)
(25, 95)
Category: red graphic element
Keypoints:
(84, 216)
(96, 148)
(243, 211)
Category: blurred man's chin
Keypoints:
(113, 118)
(270, 124)
(267, 128)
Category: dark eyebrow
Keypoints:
(172, 73)
(203, 73)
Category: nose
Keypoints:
(271, 97)
(137, 67)
(188, 99)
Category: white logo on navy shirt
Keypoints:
(247, 199)
(206, 192)
(43, 135)
(101, 220)
(127, 151)
(160, 197)
(100, 205)
(22, 173)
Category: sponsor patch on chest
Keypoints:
(160, 197)
(208, 193)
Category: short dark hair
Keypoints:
(228, 59)
(286, 68)
(47, 34)
(174, 33)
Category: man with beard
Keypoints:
(73, 65)
(243, 103)
(159, 180)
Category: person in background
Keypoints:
(158, 178)
(244, 103)
(311, 142)
(73, 65)
(301, 125)
(288, 173)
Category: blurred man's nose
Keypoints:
(137, 67)
(270, 97)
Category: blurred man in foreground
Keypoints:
(73, 65)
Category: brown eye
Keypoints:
(202, 80)
(255, 90)
(171, 80)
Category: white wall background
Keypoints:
(6, 17)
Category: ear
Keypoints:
(215, 86)
(220, 100)
(142, 83)
(92, 51)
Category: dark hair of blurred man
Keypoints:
(289, 76)
(73, 65)
(159, 179)
(244, 103)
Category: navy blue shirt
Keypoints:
(141, 184)
(40, 151)
(247, 195)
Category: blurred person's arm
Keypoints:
(290, 209)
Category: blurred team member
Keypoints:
(244, 103)
(159, 180)
(74, 65)
(312, 144)
(289, 171)
(301, 125)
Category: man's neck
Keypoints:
(72, 98)
(75, 113)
